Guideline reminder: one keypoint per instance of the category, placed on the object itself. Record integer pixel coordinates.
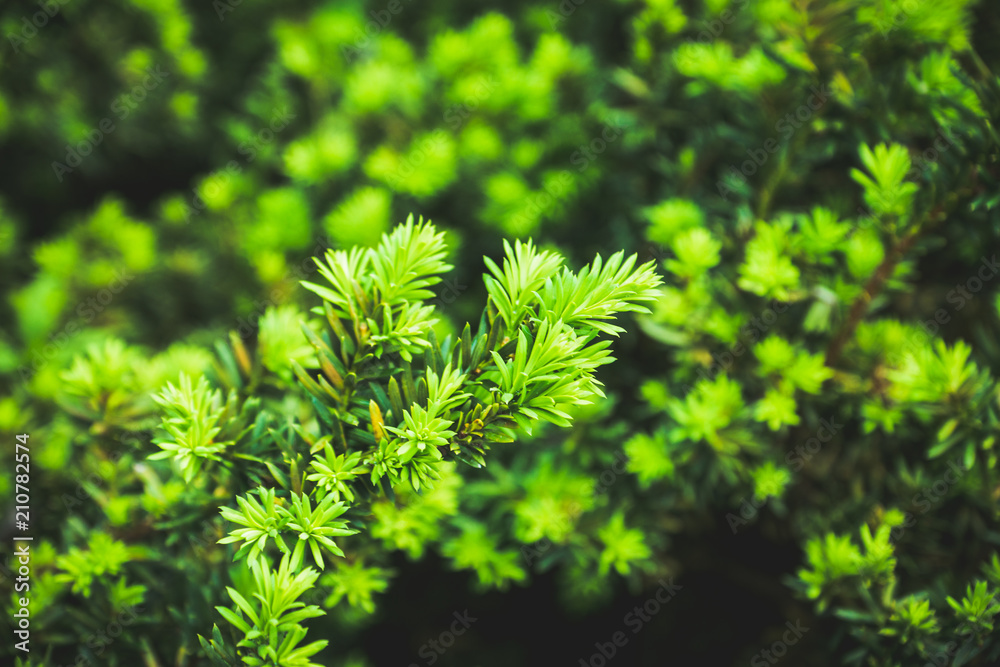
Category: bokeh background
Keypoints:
(169, 168)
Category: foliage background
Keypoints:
(246, 138)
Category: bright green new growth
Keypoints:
(274, 628)
(392, 406)
(382, 288)
(824, 345)
(194, 414)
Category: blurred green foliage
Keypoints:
(817, 181)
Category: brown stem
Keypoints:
(872, 289)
